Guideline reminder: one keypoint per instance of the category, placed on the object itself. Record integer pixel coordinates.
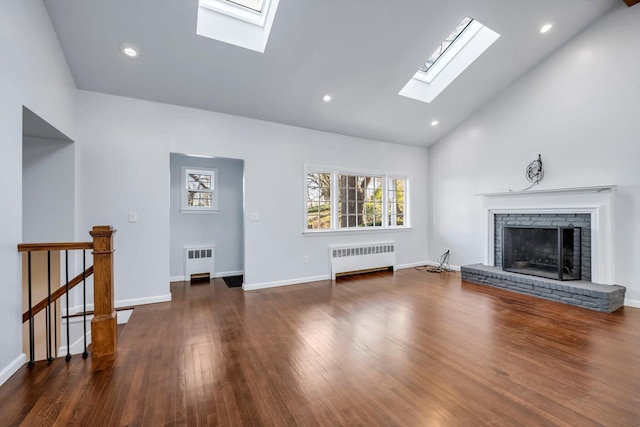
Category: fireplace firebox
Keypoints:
(551, 252)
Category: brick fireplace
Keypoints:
(588, 208)
(581, 221)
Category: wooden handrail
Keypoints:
(105, 319)
(57, 294)
(65, 246)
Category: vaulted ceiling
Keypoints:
(361, 51)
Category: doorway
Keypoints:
(48, 214)
(220, 230)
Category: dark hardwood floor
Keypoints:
(407, 349)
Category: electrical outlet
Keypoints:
(133, 216)
(306, 260)
(254, 217)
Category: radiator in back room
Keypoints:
(199, 260)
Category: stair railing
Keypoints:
(103, 324)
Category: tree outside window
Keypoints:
(353, 201)
(318, 200)
(199, 192)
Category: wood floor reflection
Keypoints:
(409, 349)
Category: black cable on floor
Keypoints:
(442, 267)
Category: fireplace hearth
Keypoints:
(589, 209)
(550, 252)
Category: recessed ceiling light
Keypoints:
(545, 28)
(434, 123)
(327, 97)
(129, 50)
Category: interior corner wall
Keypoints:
(33, 74)
(123, 148)
(48, 186)
(223, 228)
(580, 109)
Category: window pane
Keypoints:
(197, 181)
(198, 198)
(318, 200)
(360, 200)
(396, 199)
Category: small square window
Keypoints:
(199, 190)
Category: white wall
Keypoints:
(123, 151)
(224, 228)
(48, 186)
(33, 73)
(580, 109)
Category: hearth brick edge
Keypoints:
(594, 296)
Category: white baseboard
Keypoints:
(301, 280)
(123, 316)
(122, 303)
(215, 275)
(298, 281)
(437, 263)
(411, 265)
(423, 263)
(632, 302)
(12, 367)
(77, 347)
(142, 301)
(229, 273)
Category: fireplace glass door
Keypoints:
(551, 252)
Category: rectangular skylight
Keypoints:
(243, 23)
(255, 5)
(451, 38)
(456, 52)
(251, 11)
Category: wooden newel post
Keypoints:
(104, 323)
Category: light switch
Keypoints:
(133, 216)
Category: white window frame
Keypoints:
(238, 11)
(406, 200)
(335, 172)
(236, 24)
(185, 208)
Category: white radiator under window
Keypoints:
(351, 258)
(199, 260)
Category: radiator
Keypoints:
(351, 258)
(199, 260)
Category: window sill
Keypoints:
(199, 212)
(308, 233)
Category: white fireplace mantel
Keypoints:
(590, 189)
(598, 201)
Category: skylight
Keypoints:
(255, 5)
(243, 23)
(454, 54)
(451, 38)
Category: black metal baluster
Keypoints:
(55, 328)
(32, 354)
(66, 260)
(48, 310)
(84, 301)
